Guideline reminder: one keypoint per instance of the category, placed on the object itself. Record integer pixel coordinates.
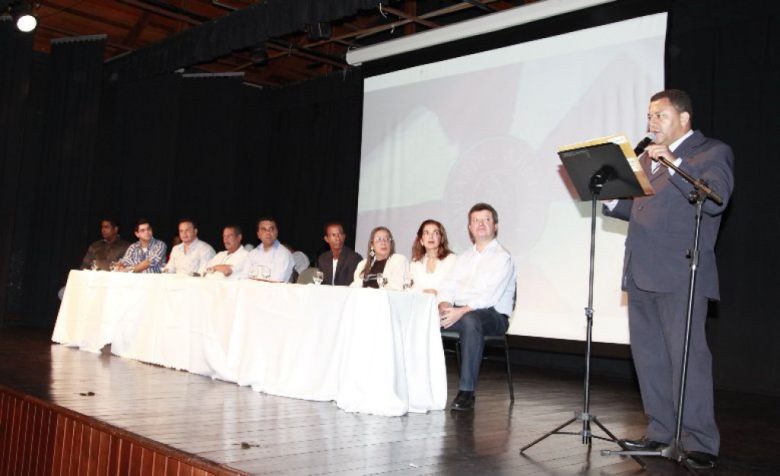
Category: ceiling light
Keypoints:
(25, 21)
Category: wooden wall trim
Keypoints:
(39, 437)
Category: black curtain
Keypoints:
(15, 78)
(58, 175)
(313, 159)
(211, 148)
(48, 158)
(727, 55)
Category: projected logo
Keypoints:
(503, 172)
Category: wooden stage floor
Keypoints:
(263, 434)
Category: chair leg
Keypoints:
(457, 354)
(509, 372)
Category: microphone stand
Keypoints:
(676, 451)
(596, 183)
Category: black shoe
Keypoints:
(700, 460)
(643, 444)
(464, 401)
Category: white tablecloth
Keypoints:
(371, 351)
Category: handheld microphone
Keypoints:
(640, 147)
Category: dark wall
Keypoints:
(727, 55)
(216, 150)
(47, 160)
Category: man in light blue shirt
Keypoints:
(270, 260)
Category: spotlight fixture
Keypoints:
(25, 20)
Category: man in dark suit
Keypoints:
(656, 276)
(339, 258)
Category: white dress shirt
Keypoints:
(193, 260)
(237, 261)
(278, 259)
(423, 279)
(481, 280)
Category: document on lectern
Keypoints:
(584, 159)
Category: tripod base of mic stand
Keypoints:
(674, 452)
(586, 434)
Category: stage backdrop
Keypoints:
(439, 137)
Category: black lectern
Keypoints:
(600, 169)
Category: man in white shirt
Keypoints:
(191, 255)
(270, 254)
(477, 297)
(231, 262)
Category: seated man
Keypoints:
(231, 262)
(147, 255)
(191, 255)
(476, 298)
(271, 254)
(339, 263)
(107, 250)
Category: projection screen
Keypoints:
(440, 137)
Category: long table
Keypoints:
(370, 351)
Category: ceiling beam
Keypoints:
(135, 32)
(413, 17)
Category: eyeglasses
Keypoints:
(382, 239)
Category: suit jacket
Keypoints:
(661, 226)
(345, 268)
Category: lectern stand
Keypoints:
(602, 169)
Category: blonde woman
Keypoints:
(382, 261)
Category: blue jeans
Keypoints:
(473, 327)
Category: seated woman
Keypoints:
(382, 261)
(432, 258)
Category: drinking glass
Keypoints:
(318, 277)
(381, 280)
(264, 272)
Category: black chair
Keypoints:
(490, 341)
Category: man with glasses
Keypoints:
(476, 298)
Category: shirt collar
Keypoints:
(274, 247)
(493, 243)
(679, 141)
(194, 243)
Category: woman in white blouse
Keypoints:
(432, 258)
(382, 261)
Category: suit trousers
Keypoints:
(473, 327)
(657, 329)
